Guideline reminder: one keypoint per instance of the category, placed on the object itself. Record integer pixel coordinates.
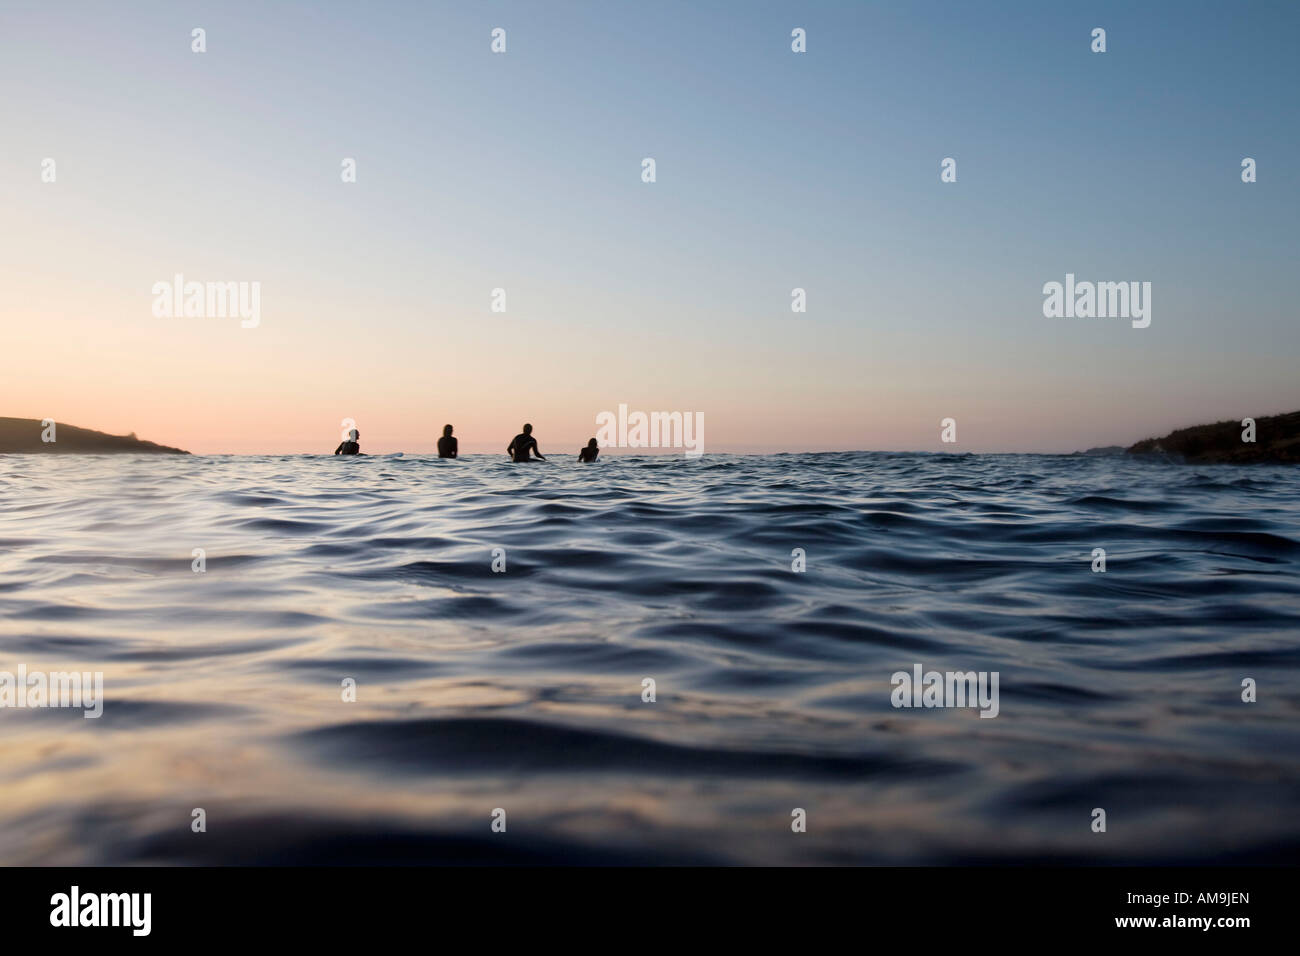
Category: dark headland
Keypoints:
(22, 436)
(1277, 441)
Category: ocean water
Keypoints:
(521, 691)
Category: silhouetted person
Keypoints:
(589, 453)
(522, 444)
(448, 447)
(349, 446)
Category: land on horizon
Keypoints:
(21, 436)
(1277, 441)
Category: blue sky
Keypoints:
(775, 170)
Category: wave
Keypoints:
(359, 661)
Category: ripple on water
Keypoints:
(225, 688)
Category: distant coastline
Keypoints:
(1277, 441)
(25, 436)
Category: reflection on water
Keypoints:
(522, 690)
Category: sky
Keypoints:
(522, 171)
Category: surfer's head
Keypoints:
(528, 429)
(353, 434)
(592, 443)
(446, 430)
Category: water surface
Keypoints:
(522, 690)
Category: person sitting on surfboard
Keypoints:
(448, 447)
(589, 453)
(349, 446)
(522, 444)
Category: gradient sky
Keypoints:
(522, 171)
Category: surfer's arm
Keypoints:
(339, 450)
